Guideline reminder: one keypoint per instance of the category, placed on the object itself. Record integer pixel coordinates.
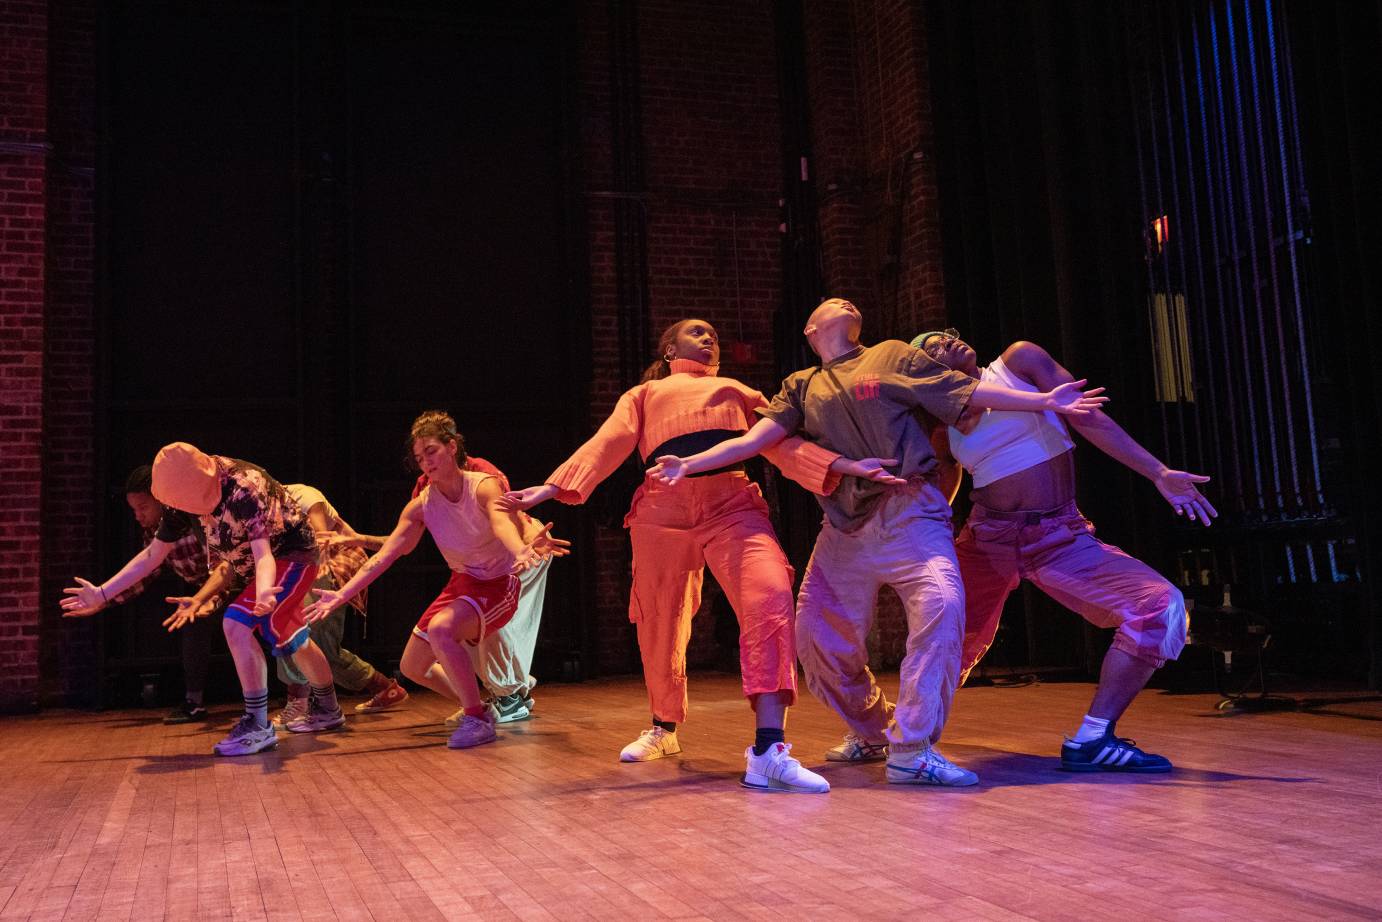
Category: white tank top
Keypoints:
(463, 532)
(1007, 441)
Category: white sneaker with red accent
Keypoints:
(776, 770)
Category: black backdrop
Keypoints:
(317, 221)
(1044, 239)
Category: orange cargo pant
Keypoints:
(1058, 552)
(721, 521)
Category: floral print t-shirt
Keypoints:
(253, 505)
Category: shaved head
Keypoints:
(830, 307)
(834, 318)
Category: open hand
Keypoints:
(1070, 400)
(82, 600)
(527, 498)
(186, 610)
(1178, 488)
(266, 601)
(545, 545)
(328, 600)
(874, 469)
(525, 559)
(668, 471)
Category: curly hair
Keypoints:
(435, 424)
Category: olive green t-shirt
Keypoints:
(864, 404)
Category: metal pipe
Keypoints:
(1221, 300)
(1151, 273)
(1311, 439)
(1237, 278)
(1201, 295)
(1269, 224)
(1268, 406)
(1179, 346)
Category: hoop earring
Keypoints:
(668, 356)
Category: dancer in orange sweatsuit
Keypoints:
(719, 519)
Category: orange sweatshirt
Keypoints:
(690, 399)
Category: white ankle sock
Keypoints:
(1091, 729)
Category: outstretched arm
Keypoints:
(527, 498)
(349, 537)
(87, 598)
(505, 524)
(1067, 398)
(402, 540)
(1177, 487)
(765, 433)
(602, 453)
(202, 602)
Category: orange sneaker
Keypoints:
(391, 697)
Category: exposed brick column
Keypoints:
(68, 651)
(873, 136)
(832, 67)
(873, 132)
(711, 142)
(23, 174)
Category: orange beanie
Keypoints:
(185, 478)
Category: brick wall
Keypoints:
(47, 160)
(876, 185)
(712, 164)
(68, 647)
(23, 207)
(875, 163)
(708, 97)
(711, 146)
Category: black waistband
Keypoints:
(693, 443)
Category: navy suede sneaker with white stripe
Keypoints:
(1109, 753)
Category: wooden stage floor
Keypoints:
(116, 816)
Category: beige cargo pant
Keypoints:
(907, 544)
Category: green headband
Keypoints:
(920, 341)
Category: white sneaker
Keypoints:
(293, 708)
(855, 749)
(455, 719)
(316, 720)
(927, 766)
(776, 770)
(247, 738)
(651, 744)
(473, 731)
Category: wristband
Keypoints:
(102, 591)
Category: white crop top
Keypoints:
(1007, 441)
(463, 532)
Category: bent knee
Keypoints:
(1158, 633)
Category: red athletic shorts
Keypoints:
(283, 629)
(494, 600)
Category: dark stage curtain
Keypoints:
(1089, 191)
(319, 220)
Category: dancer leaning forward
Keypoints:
(890, 530)
(254, 527)
(718, 520)
(1024, 524)
(485, 546)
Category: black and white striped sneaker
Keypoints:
(1110, 753)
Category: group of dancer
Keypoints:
(878, 433)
